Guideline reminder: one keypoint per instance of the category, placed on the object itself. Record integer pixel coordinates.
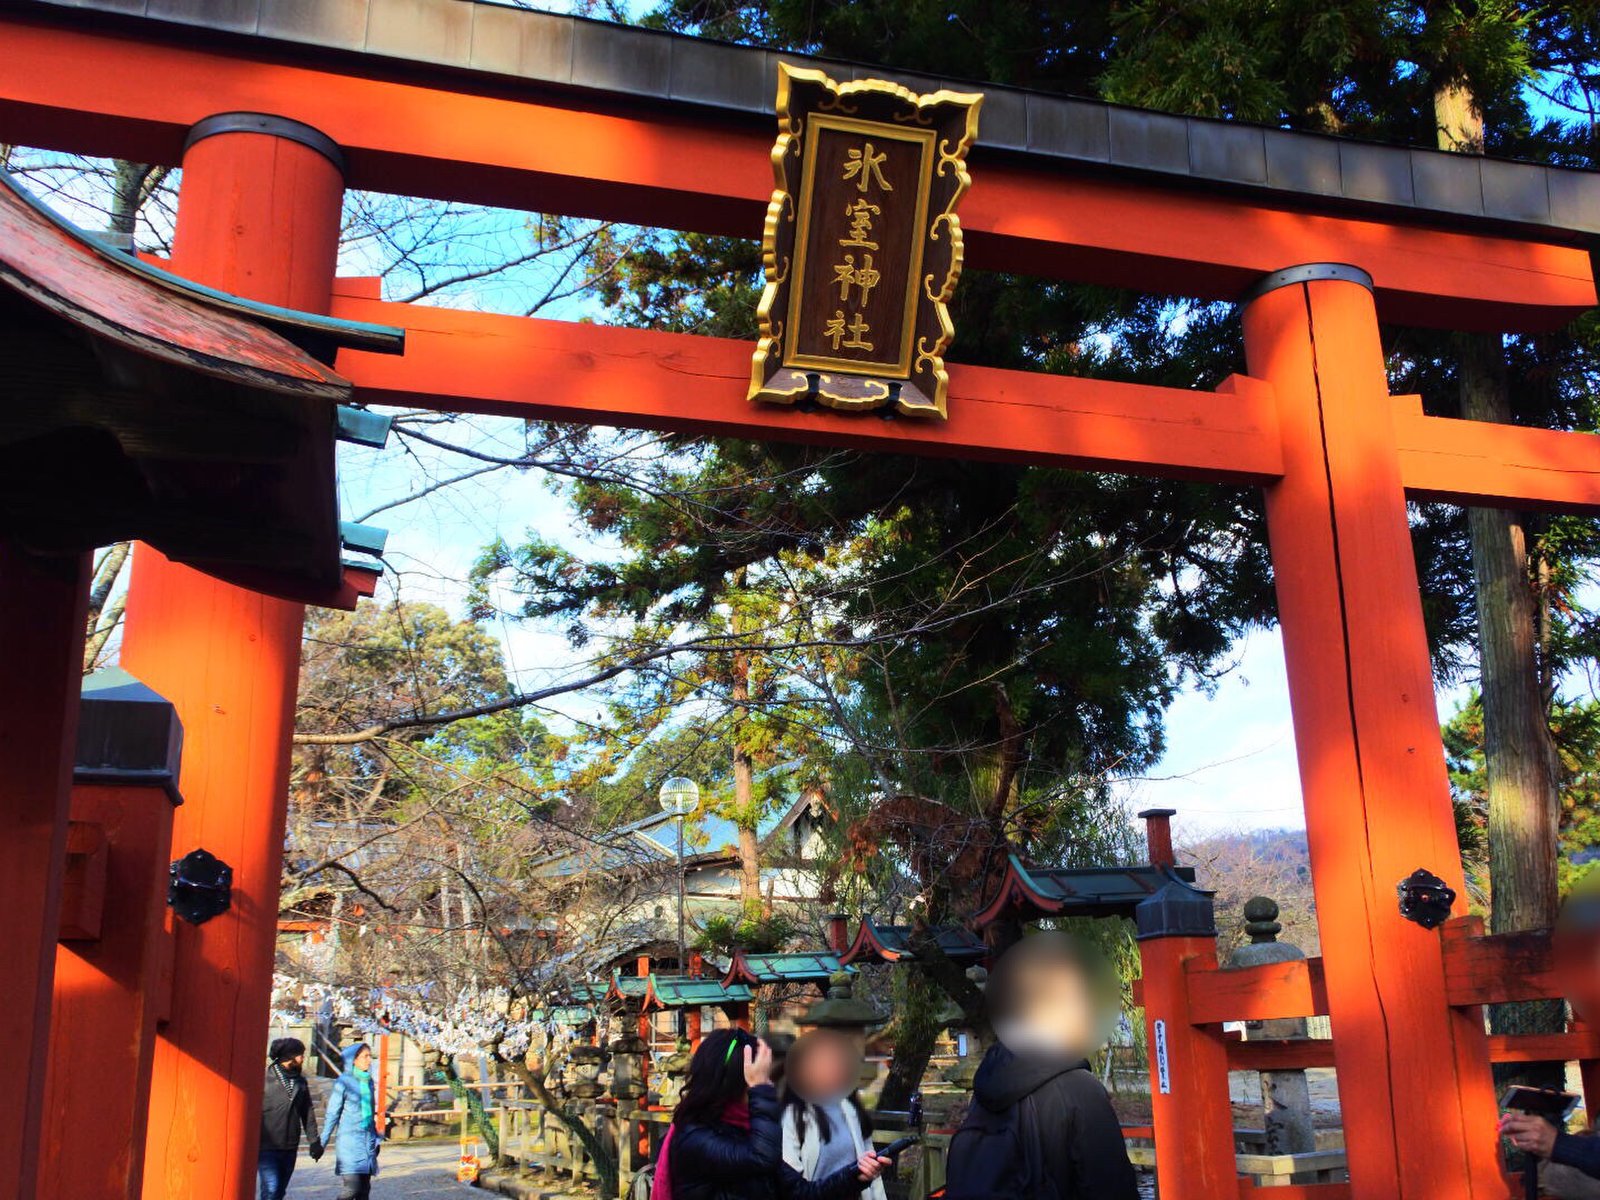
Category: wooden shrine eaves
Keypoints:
(486, 104)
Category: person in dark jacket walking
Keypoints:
(726, 1143)
(285, 1111)
(1041, 1124)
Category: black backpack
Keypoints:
(994, 1156)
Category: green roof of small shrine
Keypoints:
(891, 943)
(684, 991)
(795, 966)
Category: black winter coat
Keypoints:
(1580, 1152)
(724, 1162)
(1080, 1145)
(286, 1110)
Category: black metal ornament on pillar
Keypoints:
(1425, 898)
(199, 886)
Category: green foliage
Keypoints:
(382, 664)
(1244, 58)
(1053, 45)
(752, 932)
(1575, 727)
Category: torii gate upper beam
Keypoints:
(1120, 217)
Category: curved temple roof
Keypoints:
(891, 943)
(683, 991)
(141, 405)
(1028, 893)
(800, 966)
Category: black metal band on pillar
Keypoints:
(279, 127)
(1306, 273)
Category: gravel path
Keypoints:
(409, 1171)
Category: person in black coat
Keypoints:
(1041, 1124)
(285, 1111)
(726, 1142)
(1081, 1150)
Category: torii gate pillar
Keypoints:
(43, 610)
(1414, 1084)
(258, 215)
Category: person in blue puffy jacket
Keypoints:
(352, 1111)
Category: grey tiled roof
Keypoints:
(637, 66)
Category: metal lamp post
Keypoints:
(680, 796)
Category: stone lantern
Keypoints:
(1284, 1094)
(843, 1013)
(961, 1072)
(841, 1010)
(583, 1071)
(627, 1067)
(673, 1073)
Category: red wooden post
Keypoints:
(259, 215)
(1190, 1109)
(838, 932)
(691, 1028)
(112, 958)
(381, 1099)
(43, 608)
(1588, 1070)
(107, 1001)
(1367, 737)
(1158, 835)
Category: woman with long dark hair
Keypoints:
(825, 1124)
(725, 1142)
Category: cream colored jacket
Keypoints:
(801, 1152)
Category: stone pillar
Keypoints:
(1284, 1094)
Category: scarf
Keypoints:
(736, 1113)
(364, 1086)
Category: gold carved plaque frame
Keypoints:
(934, 131)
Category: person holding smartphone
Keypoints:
(726, 1143)
(825, 1123)
(1540, 1137)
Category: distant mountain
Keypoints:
(1275, 863)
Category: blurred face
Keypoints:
(363, 1059)
(295, 1063)
(823, 1067)
(1577, 949)
(1047, 999)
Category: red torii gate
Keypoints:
(479, 103)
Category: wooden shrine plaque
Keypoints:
(862, 245)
